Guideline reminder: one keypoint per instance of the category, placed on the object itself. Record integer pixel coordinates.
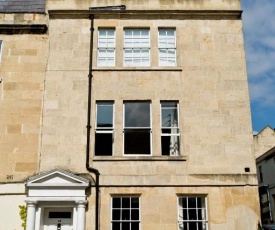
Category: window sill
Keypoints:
(140, 158)
(178, 69)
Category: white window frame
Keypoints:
(136, 46)
(120, 221)
(106, 48)
(177, 134)
(169, 61)
(105, 130)
(151, 144)
(203, 209)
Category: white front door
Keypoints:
(58, 219)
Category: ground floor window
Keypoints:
(125, 213)
(192, 213)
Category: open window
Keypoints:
(104, 129)
(137, 128)
(170, 136)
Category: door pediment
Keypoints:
(57, 183)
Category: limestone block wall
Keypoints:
(22, 73)
(228, 208)
(150, 4)
(65, 100)
(264, 141)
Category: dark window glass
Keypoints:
(169, 145)
(125, 214)
(137, 141)
(116, 214)
(126, 202)
(191, 202)
(60, 215)
(193, 225)
(134, 202)
(134, 214)
(116, 202)
(103, 144)
(125, 226)
(115, 226)
(135, 226)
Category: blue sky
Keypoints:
(259, 34)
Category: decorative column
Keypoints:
(31, 205)
(81, 206)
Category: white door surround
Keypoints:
(56, 190)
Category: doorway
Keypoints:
(58, 219)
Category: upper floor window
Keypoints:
(137, 128)
(136, 47)
(167, 47)
(106, 47)
(192, 213)
(104, 129)
(170, 143)
(125, 213)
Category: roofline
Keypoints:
(162, 14)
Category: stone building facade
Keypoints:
(125, 115)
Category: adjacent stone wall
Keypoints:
(264, 141)
(22, 74)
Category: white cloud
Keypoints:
(259, 33)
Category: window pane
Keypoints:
(137, 141)
(134, 202)
(169, 117)
(116, 226)
(104, 114)
(135, 226)
(116, 214)
(125, 214)
(125, 202)
(125, 226)
(103, 144)
(137, 114)
(192, 202)
(170, 145)
(116, 202)
(192, 225)
(134, 214)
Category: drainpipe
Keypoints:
(90, 169)
(90, 78)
